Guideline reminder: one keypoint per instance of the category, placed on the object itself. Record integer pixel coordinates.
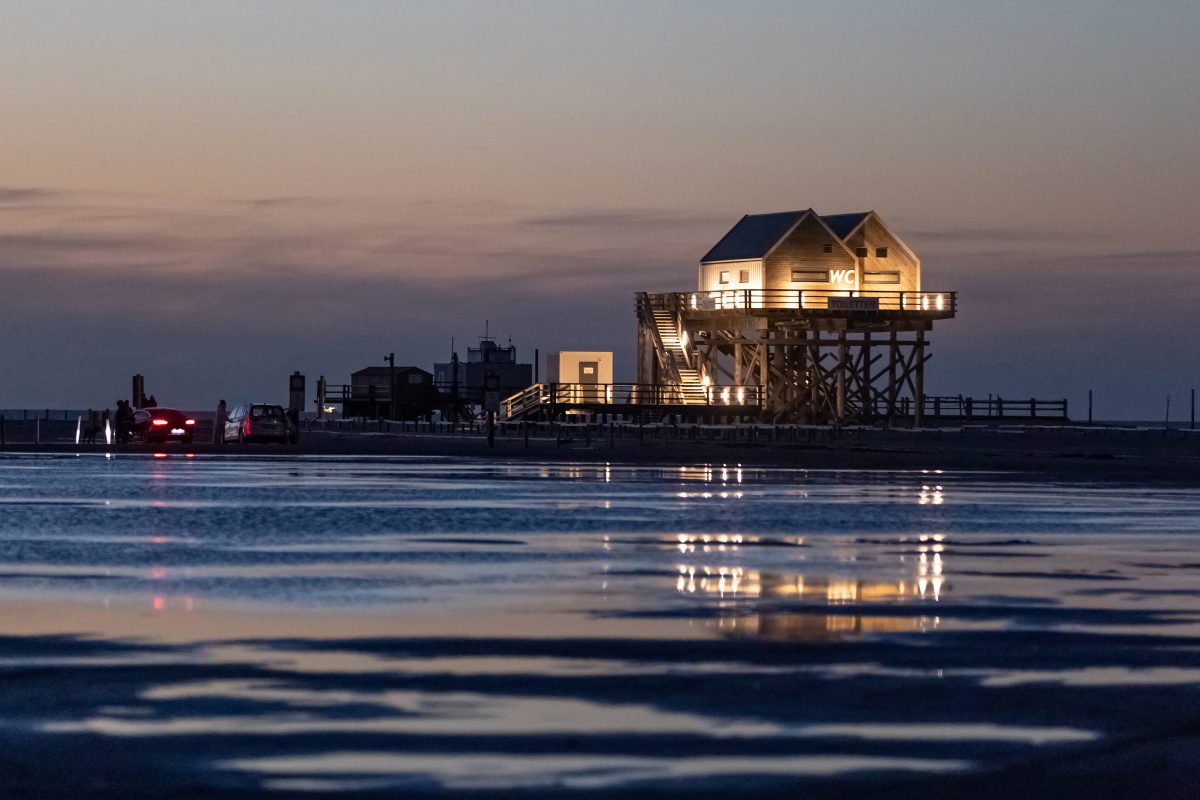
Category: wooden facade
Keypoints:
(810, 254)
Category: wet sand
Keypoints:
(1099, 453)
(333, 627)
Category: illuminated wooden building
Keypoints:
(808, 318)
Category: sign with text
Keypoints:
(853, 304)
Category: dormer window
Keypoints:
(881, 252)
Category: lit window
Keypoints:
(744, 276)
(826, 248)
(724, 276)
(861, 252)
(809, 276)
(881, 252)
(881, 277)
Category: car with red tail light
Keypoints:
(162, 425)
(258, 422)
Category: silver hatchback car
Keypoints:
(258, 422)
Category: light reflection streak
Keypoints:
(931, 495)
(746, 596)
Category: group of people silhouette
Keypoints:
(120, 423)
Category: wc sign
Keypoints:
(841, 276)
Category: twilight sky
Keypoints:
(217, 193)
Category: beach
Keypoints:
(1101, 452)
(330, 625)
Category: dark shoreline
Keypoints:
(1067, 454)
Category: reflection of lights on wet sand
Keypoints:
(707, 473)
(856, 595)
(931, 495)
(711, 542)
(163, 603)
(722, 581)
(704, 473)
(815, 624)
(929, 565)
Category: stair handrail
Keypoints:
(677, 306)
(517, 405)
(666, 361)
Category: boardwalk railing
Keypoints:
(818, 301)
(591, 395)
(970, 408)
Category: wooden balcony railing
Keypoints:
(817, 301)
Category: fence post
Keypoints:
(1032, 408)
(2, 442)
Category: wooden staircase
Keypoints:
(690, 383)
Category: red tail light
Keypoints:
(157, 421)
(246, 428)
(189, 422)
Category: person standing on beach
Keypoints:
(123, 420)
(219, 423)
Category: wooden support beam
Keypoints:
(867, 411)
(919, 391)
(840, 378)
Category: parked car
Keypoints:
(258, 422)
(162, 425)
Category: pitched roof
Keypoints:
(756, 234)
(842, 224)
(753, 236)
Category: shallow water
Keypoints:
(335, 625)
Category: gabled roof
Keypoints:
(872, 215)
(756, 235)
(843, 224)
(753, 236)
